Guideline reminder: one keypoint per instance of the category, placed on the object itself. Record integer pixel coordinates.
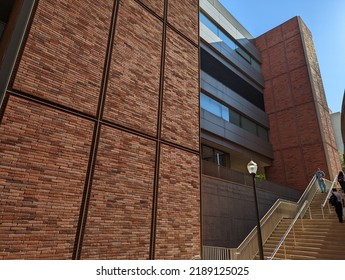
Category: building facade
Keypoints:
(262, 99)
(126, 127)
(99, 133)
(234, 129)
(300, 124)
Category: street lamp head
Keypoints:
(252, 167)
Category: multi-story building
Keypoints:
(106, 109)
(262, 99)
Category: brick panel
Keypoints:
(314, 158)
(278, 63)
(290, 28)
(281, 93)
(274, 37)
(181, 93)
(288, 134)
(120, 211)
(276, 172)
(156, 5)
(269, 98)
(261, 43)
(308, 128)
(274, 131)
(44, 155)
(178, 214)
(296, 176)
(295, 53)
(64, 56)
(133, 89)
(300, 89)
(183, 15)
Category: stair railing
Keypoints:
(291, 227)
(327, 197)
(281, 209)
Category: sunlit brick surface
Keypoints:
(300, 127)
(80, 170)
(64, 56)
(178, 219)
(119, 222)
(44, 155)
(180, 117)
(133, 89)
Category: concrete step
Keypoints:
(317, 238)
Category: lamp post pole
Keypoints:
(252, 168)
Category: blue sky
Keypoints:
(324, 18)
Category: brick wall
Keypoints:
(44, 155)
(99, 139)
(300, 128)
(178, 219)
(64, 55)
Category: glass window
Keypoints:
(244, 55)
(222, 158)
(216, 156)
(256, 65)
(248, 125)
(222, 111)
(227, 40)
(209, 24)
(235, 118)
(262, 132)
(214, 107)
(207, 153)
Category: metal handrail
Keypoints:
(282, 240)
(308, 194)
(327, 197)
(307, 191)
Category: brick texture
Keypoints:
(156, 5)
(119, 220)
(302, 135)
(45, 150)
(183, 15)
(178, 217)
(133, 89)
(181, 93)
(64, 56)
(44, 155)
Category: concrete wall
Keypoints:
(229, 210)
(99, 134)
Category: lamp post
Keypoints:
(252, 168)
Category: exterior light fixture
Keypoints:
(252, 169)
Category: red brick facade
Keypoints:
(99, 139)
(300, 126)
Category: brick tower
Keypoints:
(300, 125)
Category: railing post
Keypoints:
(302, 223)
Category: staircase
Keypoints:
(317, 236)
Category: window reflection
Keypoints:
(216, 156)
(216, 108)
(223, 37)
